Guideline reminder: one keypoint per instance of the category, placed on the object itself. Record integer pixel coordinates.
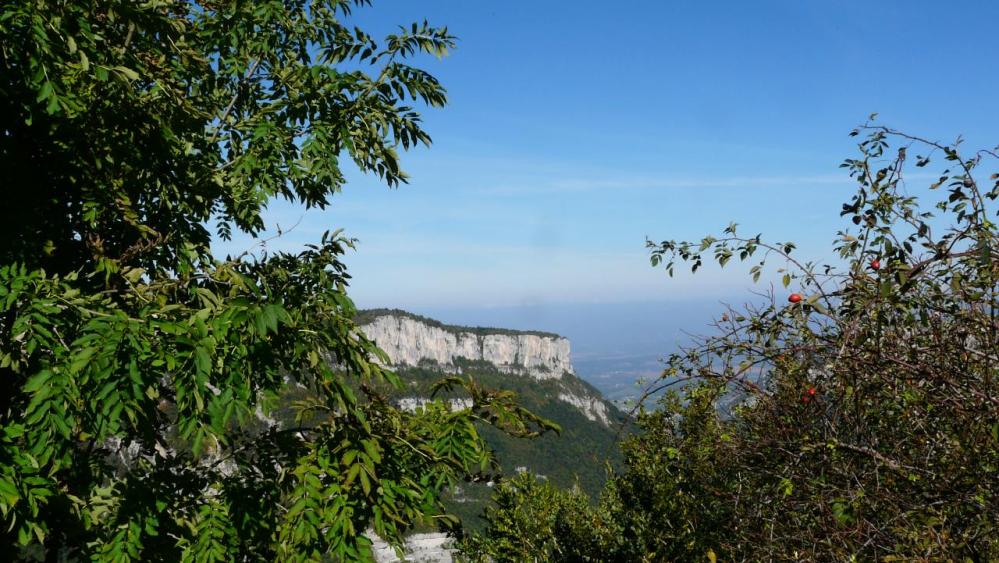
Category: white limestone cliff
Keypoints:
(410, 342)
(592, 408)
(419, 548)
(410, 404)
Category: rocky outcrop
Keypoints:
(410, 404)
(592, 408)
(411, 341)
(419, 548)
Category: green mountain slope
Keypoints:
(579, 455)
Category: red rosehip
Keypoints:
(804, 399)
(811, 391)
(794, 298)
(875, 264)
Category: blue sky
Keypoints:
(577, 129)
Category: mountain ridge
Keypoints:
(365, 316)
(414, 341)
(411, 340)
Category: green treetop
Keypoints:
(136, 369)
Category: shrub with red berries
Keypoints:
(865, 423)
(902, 460)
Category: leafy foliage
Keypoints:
(136, 369)
(532, 520)
(579, 455)
(869, 428)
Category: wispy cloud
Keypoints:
(598, 184)
(583, 185)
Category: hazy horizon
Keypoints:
(612, 345)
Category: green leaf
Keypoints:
(81, 359)
(127, 72)
(202, 360)
(36, 382)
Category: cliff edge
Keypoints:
(411, 340)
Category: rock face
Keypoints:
(592, 408)
(411, 341)
(419, 548)
(412, 403)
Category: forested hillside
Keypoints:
(580, 454)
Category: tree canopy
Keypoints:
(867, 421)
(137, 370)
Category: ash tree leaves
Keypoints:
(140, 375)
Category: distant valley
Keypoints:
(620, 378)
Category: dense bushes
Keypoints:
(869, 428)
